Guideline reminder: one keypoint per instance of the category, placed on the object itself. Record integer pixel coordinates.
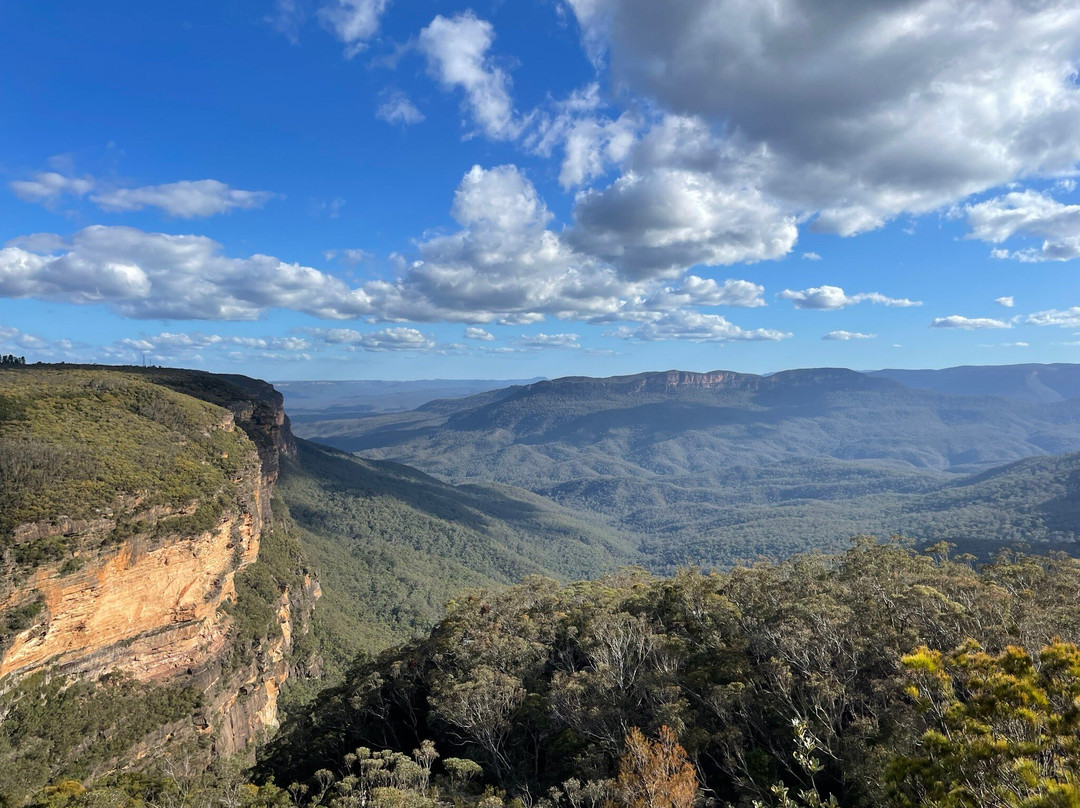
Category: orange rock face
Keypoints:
(153, 614)
(153, 606)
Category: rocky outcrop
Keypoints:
(152, 612)
(150, 606)
(156, 606)
(655, 382)
(716, 382)
(260, 412)
(673, 379)
(248, 703)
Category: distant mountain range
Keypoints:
(711, 467)
(306, 400)
(678, 423)
(1038, 383)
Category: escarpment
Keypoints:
(151, 608)
(134, 505)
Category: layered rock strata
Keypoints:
(156, 605)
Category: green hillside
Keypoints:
(1033, 502)
(392, 545)
(1036, 500)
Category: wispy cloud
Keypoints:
(354, 22)
(847, 336)
(186, 199)
(396, 108)
(551, 341)
(833, 297)
(1065, 318)
(968, 323)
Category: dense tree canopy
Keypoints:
(542, 683)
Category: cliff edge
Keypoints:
(135, 507)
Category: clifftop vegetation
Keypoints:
(137, 622)
(87, 444)
(878, 677)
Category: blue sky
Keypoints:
(386, 189)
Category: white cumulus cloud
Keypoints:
(503, 264)
(660, 223)
(1032, 215)
(473, 332)
(860, 111)
(173, 344)
(457, 50)
(160, 276)
(13, 340)
(694, 326)
(399, 338)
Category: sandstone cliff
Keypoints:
(149, 590)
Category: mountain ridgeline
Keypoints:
(1036, 383)
(832, 413)
(711, 468)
